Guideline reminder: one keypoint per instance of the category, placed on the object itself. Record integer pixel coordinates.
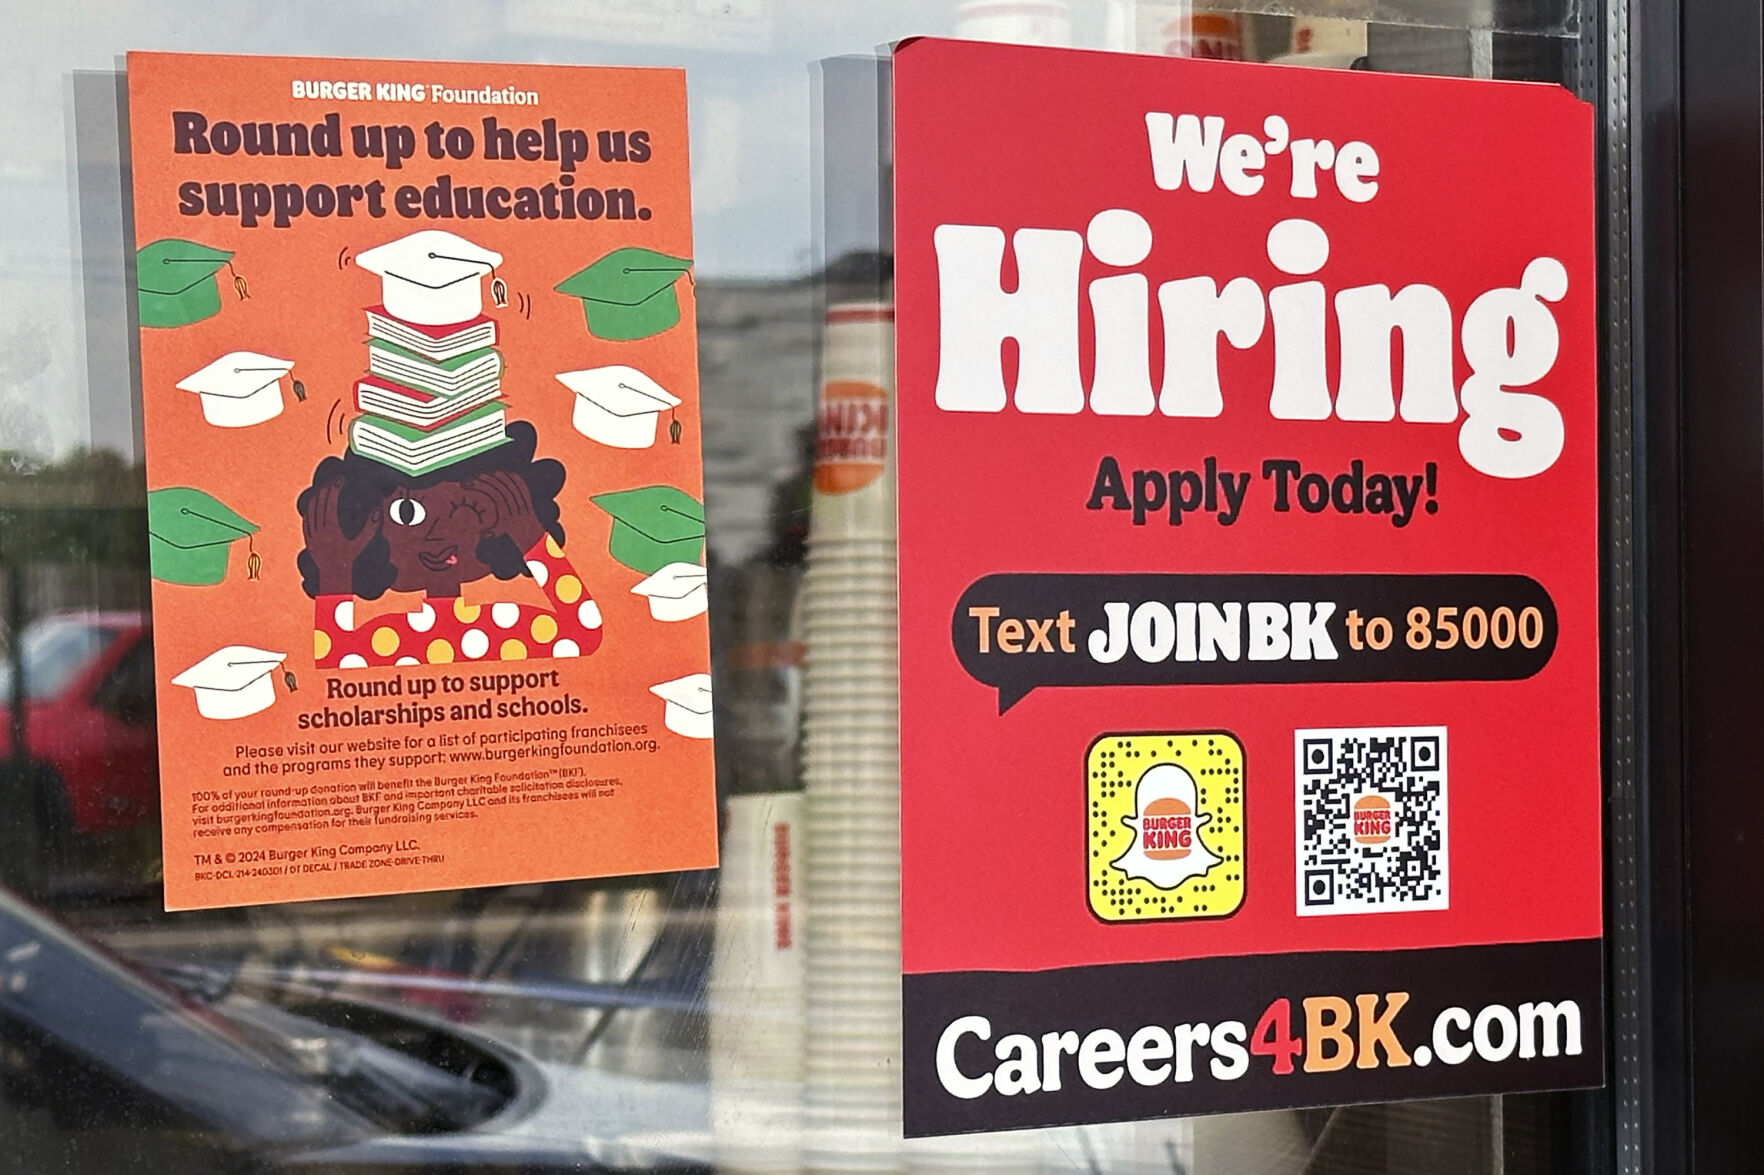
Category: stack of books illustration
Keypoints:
(433, 392)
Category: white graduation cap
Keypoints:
(233, 682)
(676, 592)
(617, 406)
(688, 711)
(240, 388)
(431, 277)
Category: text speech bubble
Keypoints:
(1019, 632)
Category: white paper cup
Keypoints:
(870, 808)
(877, 697)
(859, 722)
(879, 751)
(861, 597)
(842, 870)
(844, 700)
(840, 754)
(877, 990)
(869, 926)
(850, 644)
(880, 980)
(867, 578)
(824, 544)
(831, 1095)
(836, 896)
(866, 732)
(845, 881)
(870, 939)
(850, 993)
(842, 989)
(851, 670)
(835, 730)
(849, 568)
(848, 801)
(867, 587)
(838, 945)
(845, 626)
(880, 759)
(868, 840)
(846, 878)
(874, 804)
(833, 759)
(833, 780)
(873, 930)
(834, 783)
(875, 656)
(863, 587)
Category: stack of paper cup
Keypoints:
(755, 984)
(851, 756)
(1325, 43)
(1018, 22)
(1200, 31)
(755, 988)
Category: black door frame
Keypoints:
(1696, 283)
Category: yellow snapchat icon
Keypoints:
(1165, 826)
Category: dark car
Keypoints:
(105, 1067)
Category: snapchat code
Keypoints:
(1165, 826)
(1370, 819)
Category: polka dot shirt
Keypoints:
(442, 631)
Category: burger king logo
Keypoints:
(1371, 818)
(851, 436)
(1166, 832)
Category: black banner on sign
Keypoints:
(1019, 632)
(989, 1050)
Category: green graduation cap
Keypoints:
(629, 293)
(653, 527)
(188, 533)
(175, 280)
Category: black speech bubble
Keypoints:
(1044, 596)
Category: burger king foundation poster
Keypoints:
(420, 398)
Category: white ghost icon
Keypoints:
(1167, 848)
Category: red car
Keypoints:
(90, 765)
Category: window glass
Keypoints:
(632, 1024)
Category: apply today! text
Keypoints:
(1508, 336)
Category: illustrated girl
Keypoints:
(371, 529)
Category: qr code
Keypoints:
(1371, 819)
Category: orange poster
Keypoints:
(420, 397)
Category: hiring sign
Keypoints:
(1249, 587)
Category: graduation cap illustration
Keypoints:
(239, 389)
(175, 282)
(676, 592)
(189, 534)
(629, 293)
(688, 710)
(653, 527)
(432, 277)
(617, 406)
(233, 682)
